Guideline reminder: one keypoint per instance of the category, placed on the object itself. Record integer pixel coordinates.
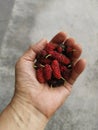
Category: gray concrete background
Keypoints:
(32, 20)
(5, 13)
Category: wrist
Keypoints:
(27, 116)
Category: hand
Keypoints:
(43, 98)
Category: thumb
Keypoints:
(30, 54)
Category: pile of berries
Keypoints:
(54, 64)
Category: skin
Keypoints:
(35, 103)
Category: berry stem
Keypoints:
(64, 41)
(42, 65)
(48, 56)
(69, 66)
(35, 66)
(63, 78)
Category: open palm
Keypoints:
(45, 99)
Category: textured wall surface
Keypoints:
(32, 20)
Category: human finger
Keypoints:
(30, 54)
(59, 37)
(77, 70)
(76, 48)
